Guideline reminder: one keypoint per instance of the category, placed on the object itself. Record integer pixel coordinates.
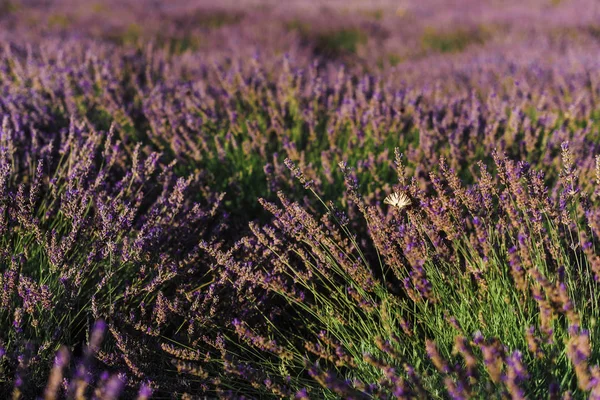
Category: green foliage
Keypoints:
(453, 41)
(332, 42)
(130, 36)
(8, 6)
(339, 42)
(58, 21)
(216, 19)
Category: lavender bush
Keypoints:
(299, 200)
(91, 232)
(476, 290)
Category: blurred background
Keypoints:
(369, 34)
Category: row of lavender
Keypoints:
(222, 220)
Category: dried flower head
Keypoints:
(398, 200)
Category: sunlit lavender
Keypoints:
(301, 199)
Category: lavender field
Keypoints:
(301, 199)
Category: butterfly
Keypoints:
(398, 200)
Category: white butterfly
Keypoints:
(398, 200)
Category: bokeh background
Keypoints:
(371, 34)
